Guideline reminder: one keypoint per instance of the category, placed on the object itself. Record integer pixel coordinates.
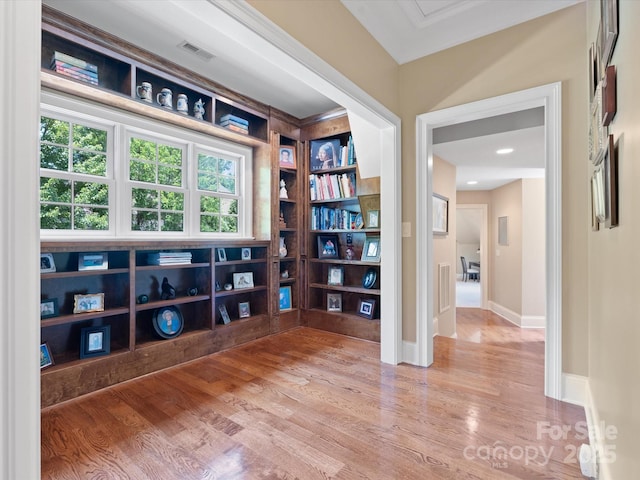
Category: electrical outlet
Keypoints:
(406, 229)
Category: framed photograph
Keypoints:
(287, 157)
(370, 210)
(610, 166)
(243, 280)
(608, 29)
(46, 359)
(599, 194)
(47, 265)
(324, 154)
(503, 231)
(369, 278)
(244, 310)
(222, 254)
(594, 71)
(88, 303)
(335, 275)
(245, 254)
(49, 308)
(595, 223)
(366, 308)
(224, 315)
(334, 302)
(371, 250)
(597, 130)
(95, 341)
(327, 246)
(93, 261)
(440, 215)
(168, 322)
(285, 299)
(609, 95)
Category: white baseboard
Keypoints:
(410, 352)
(574, 389)
(435, 326)
(531, 321)
(522, 321)
(595, 435)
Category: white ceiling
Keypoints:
(407, 29)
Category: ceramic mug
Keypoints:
(165, 98)
(182, 104)
(145, 92)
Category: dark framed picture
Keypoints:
(245, 254)
(47, 265)
(334, 302)
(93, 302)
(335, 275)
(222, 254)
(224, 315)
(49, 308)
(243, 280)
(440, 215)
(324, 154)
(369, 278)
(46, 359)
(287, 157)
(95, 341)
(610, 167)
(93, 261)
(244, 310)
(370, 210)
(371, 250)
(285, 299)
(327, 246)
(168, 322)
(366, 308)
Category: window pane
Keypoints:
(88, 193)
(55, 158)
(227, 167)
(209, 204)
(171, 201)
(86, 218)
(229, 206)
(142, 149)
(169, 176)
(171, 222)
(142, 172)
(207, 182)
(54, 131)
(55, 190)
(209, 223)
(90, 162)
(55, 217)
(144, 221)
(144, 198)
(170, 155)
(89, 138)
(207, 163)
(227, 185)
(229, 224)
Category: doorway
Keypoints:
(549, 97)
(471, 243)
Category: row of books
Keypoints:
(234, 123)
(169, 258)
(74, 68)
(325, 218)
(330, 186)
(347, 154)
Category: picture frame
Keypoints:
(243, 280)
(93, 302)
(46, 359)
(371, 249)
(95, 341)
(224, 315)
(503, 231)
(327, 246)
(609, 95)
(608, 29)
(245, 254)
(93, 261)
(324, 154)
(597, 130)
(369, 278)
(222, 254)
(47, 264)
(610, 167)
(599, 194)
(335, 275)
(440, 214)
(168, 322)
(370, 210)
(366, 308)
(334, 302)
(285, 299)
(244, 310)
(287, 157)
(595, 223)
(49, 308)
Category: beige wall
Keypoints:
(533, 248)
(506, 260)
(614, 257)
(444, 246)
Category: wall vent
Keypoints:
(195, 50)
(444, 282)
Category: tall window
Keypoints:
(105, 173)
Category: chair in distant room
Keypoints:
(468, 273)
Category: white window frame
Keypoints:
(123, 123)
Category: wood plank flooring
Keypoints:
(307, 404)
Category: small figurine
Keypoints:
(281, 221)
(283, 190)
(198, 109)
(168, 292)
(285, 274)
(349, 253)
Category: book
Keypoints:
(236, 128)
(59, 65)
(77, 75)
(238, 120)
(226, 123)
(63, 57)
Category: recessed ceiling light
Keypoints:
(472, 182)
(504, 151)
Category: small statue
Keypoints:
(168, 292)
(281, 221)
(284, 274)
(198, 109)
(349, 252)
(283, 190)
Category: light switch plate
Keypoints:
(406, 229)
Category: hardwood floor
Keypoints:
(310, 405)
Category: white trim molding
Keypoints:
(575, 389)
(597, 437)
(522, 321)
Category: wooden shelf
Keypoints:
(80, 317)
(174, 301)
(83, 273)
(239, 291)
(172, 266)
(346, 288)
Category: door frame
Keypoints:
(548, 96)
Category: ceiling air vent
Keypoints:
(191, 48)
